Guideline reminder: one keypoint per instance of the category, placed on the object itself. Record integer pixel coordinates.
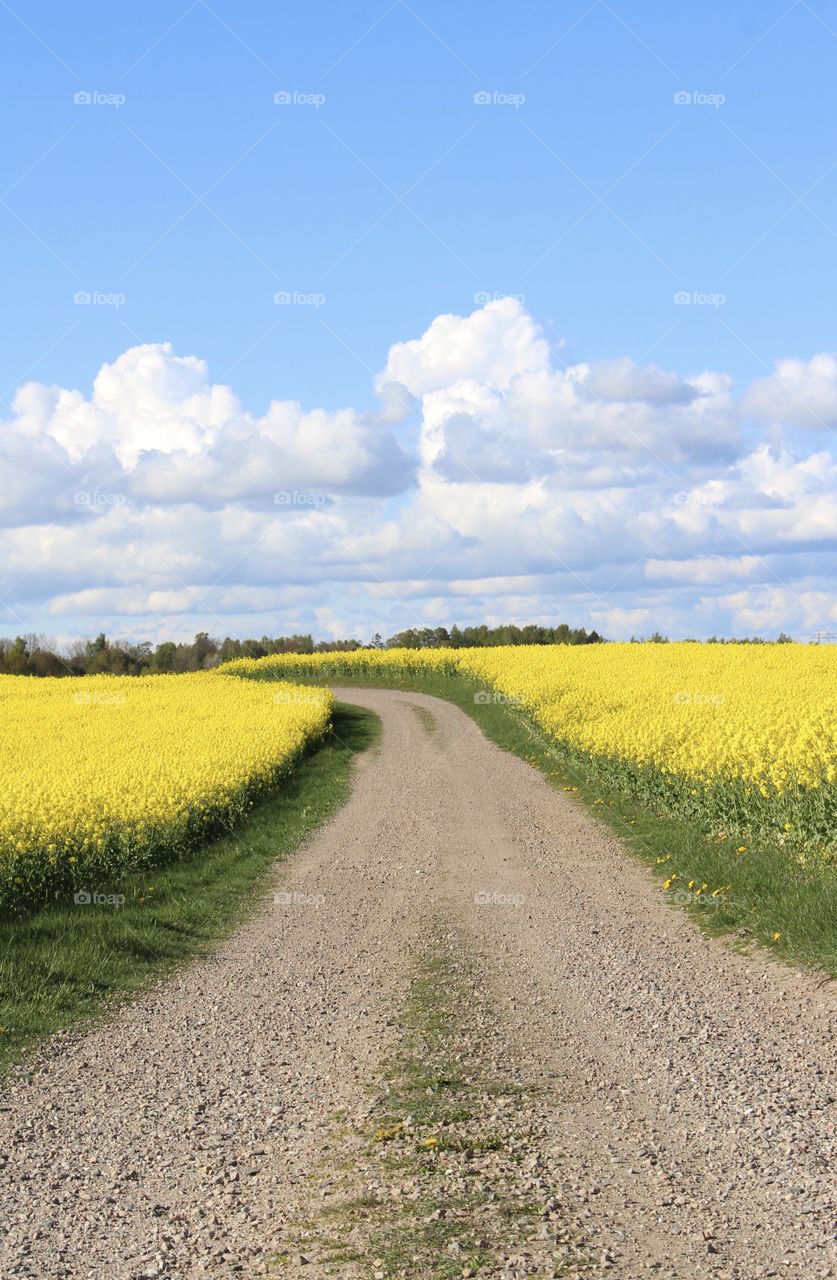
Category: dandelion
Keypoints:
(387, 1132)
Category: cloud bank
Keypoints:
(492, 481)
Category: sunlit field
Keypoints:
(107, 774)
(742, 738)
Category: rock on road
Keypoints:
(691, 1089)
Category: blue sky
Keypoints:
(183, 198)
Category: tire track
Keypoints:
(689, 1090)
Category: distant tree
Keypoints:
(483, 636)
(17, 657)
(163, 657)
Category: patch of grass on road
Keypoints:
(769, 894)
(65, 962)
(448, 1177)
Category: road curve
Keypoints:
(690, 1090)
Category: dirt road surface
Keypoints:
(685, 1093)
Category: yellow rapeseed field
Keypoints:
(744, 734)
(763, 714)
(103, 774)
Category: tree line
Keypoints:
(36, 655)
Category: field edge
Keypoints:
(64, 966)
(790, 912)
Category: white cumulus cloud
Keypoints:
(491, 481)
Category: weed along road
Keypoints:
(462, 1034)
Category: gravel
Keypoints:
(685, 1093)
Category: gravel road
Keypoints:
(685, 1093)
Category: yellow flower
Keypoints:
(387, 1132)
(777, 937)
(429, 1142)
(98, 764)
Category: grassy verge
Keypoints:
(761, 894)
(66, 962)
(448, 1177)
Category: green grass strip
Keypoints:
(768, 892)
(68, 961)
